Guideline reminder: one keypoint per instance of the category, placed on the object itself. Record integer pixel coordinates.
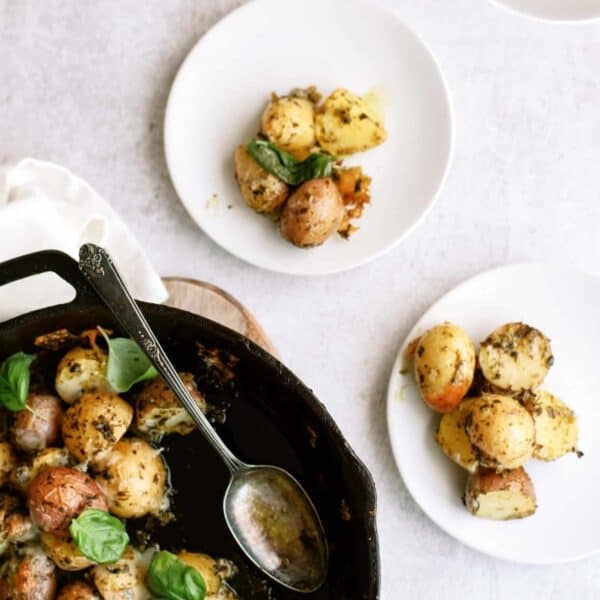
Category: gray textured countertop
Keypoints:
(85, 84)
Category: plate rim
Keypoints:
(540, 18)
(390, 400)
(301, 272)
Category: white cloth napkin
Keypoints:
(45, 206)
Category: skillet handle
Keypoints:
(54, 261)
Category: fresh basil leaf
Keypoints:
(99, 536)
(14, 381)
(170, 578)
(127, 364)
(285, 166)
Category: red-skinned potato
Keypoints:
(58, 495)
(77, 590)
(444, 366)
(30, 575)
(38, 427)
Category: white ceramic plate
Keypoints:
(564, 305)
(271, 45)
(566, 11)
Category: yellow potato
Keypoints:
(23, 474)
(8, 462)
(64, 553)
(502, 431)
(453, 439)
(515, 357)
(500, 496)
(444, 366)
(556, 430)
(346, 124)
(123, 580)
(289, 123)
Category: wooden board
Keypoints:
(209, 301)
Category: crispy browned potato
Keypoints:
(502, 431)
(23, 474)
(81, 370)
(515, 357)
(289, 122)
(262, 191)
(444, 365)
(158, 412)
(29, 575)
(453, 439)
(556, 429)
(39, 426)
(58, 494)
(64, 553)
(313, 213)
(78, 590)
(134, 479)
(500, 496)
(8, 461)
(94, 424)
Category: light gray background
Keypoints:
(84, 83)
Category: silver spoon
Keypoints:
(268, 512)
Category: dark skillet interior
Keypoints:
(271, 417)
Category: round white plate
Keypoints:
(271, 45)
(566, 11)
(564, 305)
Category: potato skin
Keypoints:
(64, 553)
(79, 371)
(346, 124)
(312, 214)
(8, 461)
(444, 366)
(453, 439)
(133, 479)
(77, 590)
(206, 566)
(30, 576)
(500, 496)
(35, 429)
(289, 123)
(94, 424)
(158, 412)
(261, 190)
(502, 431)
(556, 429)
(23, 474)
(59, 494)
(515, 357)
(15, 525)
(123, 580)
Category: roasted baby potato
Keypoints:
(453, 439)
(23, 474)
(64, 553)
(29, 575)
(134, 478)
(501, 430)
(500, 496)
(556, 430)
(289, 122)
(515, 357)
(312, 213)
(346, 124)
(59, 494)
(158, 412)
(123, 580)
(81, 370)
(78, 590)
(94, 424)
(262, 191)
(444, 366)
(214, 572)
(8, 462)
(37, 427)
(16, 526)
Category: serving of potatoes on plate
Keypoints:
(494, 415)
(293, 170)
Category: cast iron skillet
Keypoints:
(271, 418)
